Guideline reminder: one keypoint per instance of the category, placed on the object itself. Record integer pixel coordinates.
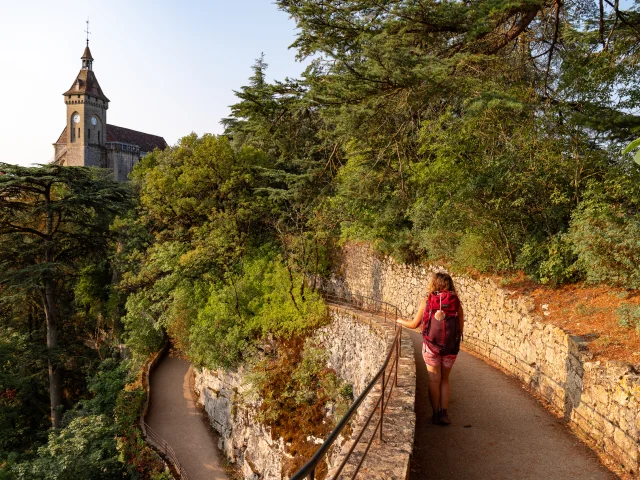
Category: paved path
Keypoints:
(173, 414)
(498, 431)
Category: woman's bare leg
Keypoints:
(445, 389)
(434, 386)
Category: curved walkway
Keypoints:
(498, 431)
(173, 414)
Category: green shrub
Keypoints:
(140, 460)
(264, 299)
(105, 386)
(606, 239)
(559, 265)
(550, 261)
(629, 316)
(83, 450)
(478, 253)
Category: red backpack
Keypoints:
(441, 331)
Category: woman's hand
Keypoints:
(418, 318)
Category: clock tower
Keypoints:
(86, 119)
(87, 140)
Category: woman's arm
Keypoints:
(461, 318)
(418, 318)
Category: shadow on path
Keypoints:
(498, 431)
(173, 414)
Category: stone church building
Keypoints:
(88, 140)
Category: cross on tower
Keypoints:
(87, 31)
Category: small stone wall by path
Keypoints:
(600, 400)
(175, 417)
(357, 344)
(344, 339)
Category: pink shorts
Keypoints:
(434, 359)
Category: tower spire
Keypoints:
(87, 31)
(87, 59)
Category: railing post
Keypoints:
(398, 344)
(382, 405)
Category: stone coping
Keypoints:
(390, 459)
(599, 400)
(150, 364)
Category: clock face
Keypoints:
(76, 118)
(94, 121)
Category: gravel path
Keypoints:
(173, 414)
(498, 431)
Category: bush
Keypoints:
(550, 261)
(85, 449)
(629, 316)
(606, 239)
(141, 461)
(559, 265)
(477, 252)
(263, 299)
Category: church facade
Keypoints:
(88, 140)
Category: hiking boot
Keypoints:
(443, 418)
(435, 418)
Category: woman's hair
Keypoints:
(441, 281)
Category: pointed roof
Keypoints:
(87, 53)
(86, 83)
(62, 139)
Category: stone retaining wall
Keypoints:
(357, 345)
(600, 400)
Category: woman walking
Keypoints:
(442, 320)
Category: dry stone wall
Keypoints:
(357, 348)
(600, 400)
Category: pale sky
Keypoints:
(168, 67)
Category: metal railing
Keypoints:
(165, 450)
(390, 313)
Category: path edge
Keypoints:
(599, 400)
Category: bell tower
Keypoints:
(86, 117)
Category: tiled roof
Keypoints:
(145, 141)
(62, 139)
(87, 84)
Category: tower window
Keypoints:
(98, 137)
(89, 134)
(78, 133)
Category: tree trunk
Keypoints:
(51, 314)
(55, 388)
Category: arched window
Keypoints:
(72, 124)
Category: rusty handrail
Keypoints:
(165, 449)
(361, 302)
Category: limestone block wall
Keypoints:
(232, 412)
(121, 162)
(357, 348)
(600, 400)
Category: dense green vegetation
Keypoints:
(487, 135)
(57, 321)
(216, 265)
